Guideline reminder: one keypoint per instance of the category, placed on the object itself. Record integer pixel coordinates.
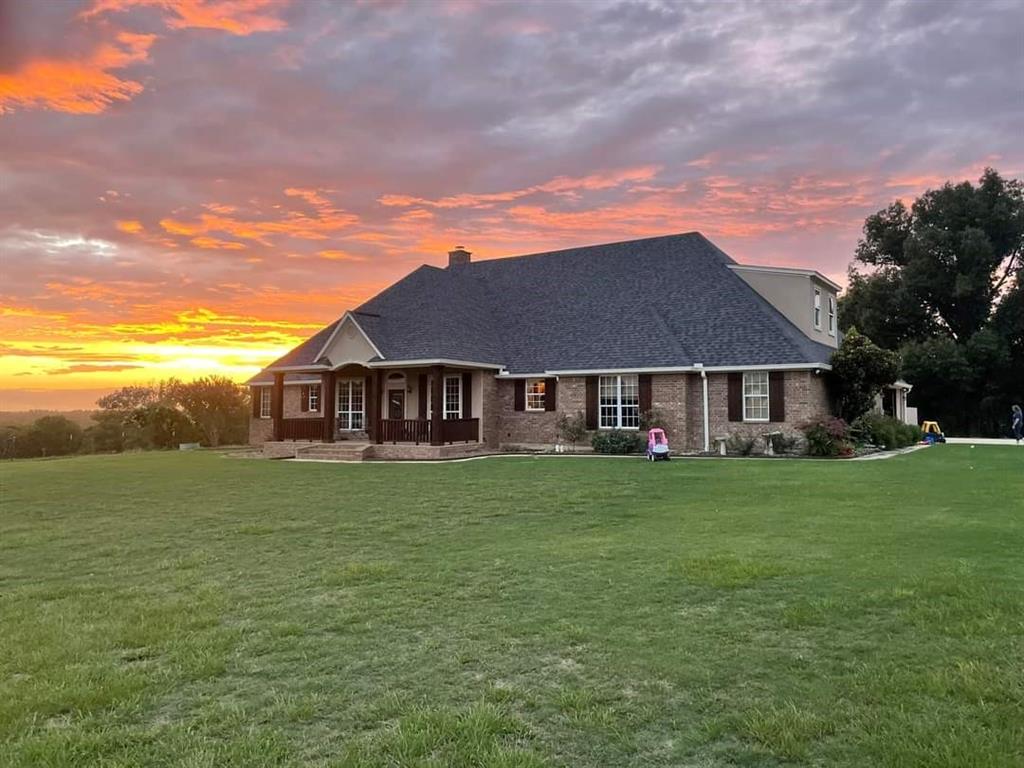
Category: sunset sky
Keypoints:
(192, 187)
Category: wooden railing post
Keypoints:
(329, 403)
(277, 404)
(437, 404)
(378, 399)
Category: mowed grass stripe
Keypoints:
(190, 609)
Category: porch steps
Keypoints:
(343, 451)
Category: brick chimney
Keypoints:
(458, 257)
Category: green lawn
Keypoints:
(196, 610)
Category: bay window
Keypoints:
(619, 402)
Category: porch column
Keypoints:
(437, 403)
(378, 399)
(329, 402)
(277, 404)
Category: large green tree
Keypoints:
(940, 282)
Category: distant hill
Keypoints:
(24, 418)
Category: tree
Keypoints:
(860, 369)
(129, 398)
(941, 283)
(216, 406)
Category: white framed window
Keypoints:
(351, 413)
(453, 397)
(817, 308)
(619, 402)
(313, 403)
(265, 395)
(832, 315)
(535, 394)
(755, 396)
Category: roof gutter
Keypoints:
(689, 369)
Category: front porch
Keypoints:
(393, 431)
(376, 405)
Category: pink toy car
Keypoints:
(657, 445)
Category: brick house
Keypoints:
(502, 347)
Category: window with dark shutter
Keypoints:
(645, 392)
(592, 402)
(776, 396)
(519, 395)
(550, 388)
(735, 397)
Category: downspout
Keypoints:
(707, 418)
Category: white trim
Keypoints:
(507, 375)
(302, 368)
(430, 361)
(347, 316)
(268, 393)
(707, 413)
(338, 389)
(444, 396)
(787, 271)
(831, 314)
(309, 397)
(526, 395)
(767, 398)
(694, 369)
(816, 309)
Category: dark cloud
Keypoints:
(157, 182)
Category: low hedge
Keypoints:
(617, 441)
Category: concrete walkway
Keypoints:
(982, 441)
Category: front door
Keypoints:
(396, 403)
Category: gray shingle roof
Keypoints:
(659, 302)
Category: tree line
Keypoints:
(211, 411)
(941, 283)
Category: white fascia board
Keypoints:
(695, 369)
(419, 363)
(301, 368)
(787, 271)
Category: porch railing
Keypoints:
(405, 431)
(302, 429)
(460, 430)
(418, 430)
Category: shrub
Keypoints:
(782, 443)
(826, 436)
(884, 431)
(740, 445)
(652, 418)
(572, 429)
(617, 441)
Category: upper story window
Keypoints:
(453, 397)
(755, 396)
(265, 402)
(817, 308)
(535, 394)
(832, 315)
(619, 402)
(314, 398)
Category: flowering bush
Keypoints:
(827, 436)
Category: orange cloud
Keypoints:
(562, 185)
(80, 86)
(237, 17)
(326, 221)
(131, 227)
(336, 255)
(214, 243)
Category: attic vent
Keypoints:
(458, 256)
